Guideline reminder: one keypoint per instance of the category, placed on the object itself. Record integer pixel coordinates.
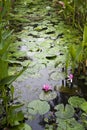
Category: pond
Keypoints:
(41, 39)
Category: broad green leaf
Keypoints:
(15, 106)
(14, 118)
(5, 42)
(49, 127)
(83, 106)
(69, 124)
(57, 75)
(8, 80)
(64, 112)
(38, 107)
(47, 96)
(76, 101)
(22, 126)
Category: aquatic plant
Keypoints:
(10, 113)
(74, 11)
(62, 116)
(76, 101)
(64, 112)
(38, 107)
(22, 126)
(66, 115)
(47, 96)
(76, 55)
(47, 87)
(70, 77)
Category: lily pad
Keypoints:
(57, 76)
(83, 106)
(64, 112)
(76, 101)
(69, 124)
(22, 126)
(47, 96)
(40, 28)
(38, 107)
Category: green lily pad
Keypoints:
(19, 54)
(64, 112)
(83, 106)
(22, 126)
(47, 96)
(76, 101)
(57, 75)
(69, 124)
(40, 28)
(38, 107)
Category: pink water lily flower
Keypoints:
(47, 87)
(70, 77)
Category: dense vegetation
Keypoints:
(74, 13)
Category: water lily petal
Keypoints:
(46, 87)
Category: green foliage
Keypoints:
(73, 11)
(5, 7)
(76, 55)
(14, 118)
(85, 35)
(9, 111)
(22, 126)
(38, 107)
(69, 124)
(5, 42)
(83, 106)
(64, 112)
(47, 96)
(65, 115)
(76, 101)
(84, 119)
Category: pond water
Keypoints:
(41, 39)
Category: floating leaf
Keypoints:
(22, 126)
(76, 101)
(50, 95)
(15, 118)
(64, 112)
(38, 107)
(57, 76)
(69, 124)
(83, 106)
